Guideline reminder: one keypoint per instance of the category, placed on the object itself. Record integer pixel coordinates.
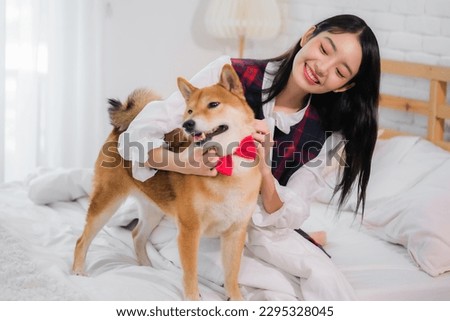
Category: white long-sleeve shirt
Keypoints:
(147, 131)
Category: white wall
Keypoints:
(149, 43)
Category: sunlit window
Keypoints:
(26, 62)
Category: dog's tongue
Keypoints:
(199, 136)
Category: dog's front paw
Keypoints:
(236, 298)
(193, 296)
(79, 273)
(144, 261)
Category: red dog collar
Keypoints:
(246, 149)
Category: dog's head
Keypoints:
(218, 115)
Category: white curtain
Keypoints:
(53, 111)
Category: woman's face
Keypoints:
(326, 62)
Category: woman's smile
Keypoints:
(310, 75)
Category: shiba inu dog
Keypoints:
(221, 206)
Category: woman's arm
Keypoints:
(190, 161)
(289, 206)
(269, 194)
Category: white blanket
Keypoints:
(278, 264)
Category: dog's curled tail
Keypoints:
(121, 114)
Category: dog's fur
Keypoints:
(211, 206)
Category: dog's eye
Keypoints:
(189, 111)
(213, 104)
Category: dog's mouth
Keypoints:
(202, 137)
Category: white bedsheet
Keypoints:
(277, 265)
(45, 235)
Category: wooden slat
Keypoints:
(410, 69)
(435, 108)
(443, 144)
(436, 125)
(443, 111)
(405, 104)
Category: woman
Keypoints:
(320, 95)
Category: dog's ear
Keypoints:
(230, 80)
(185, 88)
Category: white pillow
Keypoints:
(60, 185)
(419, 219)
(397, 165)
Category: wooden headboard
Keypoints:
(435, 108)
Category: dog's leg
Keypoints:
(141, 234)
(149, 218)
(101, 208)
(188, 243)
(232, 243)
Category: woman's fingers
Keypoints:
(260, 126)
(196, 161)
(263, 139)
(259, 137)
(262, 133)
(208, 163)
(210, 158)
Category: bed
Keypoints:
(401, 251)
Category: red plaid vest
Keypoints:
(305, 139)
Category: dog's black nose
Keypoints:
(189, 125)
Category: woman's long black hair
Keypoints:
(353, 112)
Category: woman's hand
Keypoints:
(197, 161)
(192, 160)
(264, 145)
(261, 133)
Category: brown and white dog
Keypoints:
(212, 206)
